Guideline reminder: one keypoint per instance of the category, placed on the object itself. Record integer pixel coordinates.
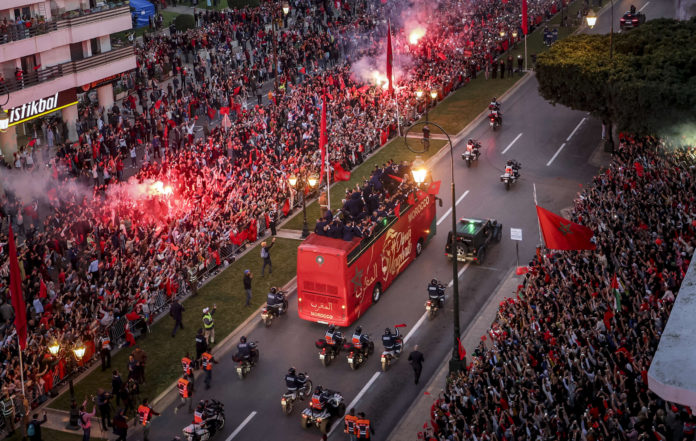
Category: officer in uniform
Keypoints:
(105, 351)
(187, 366)
(207, 361)
(363, 427)
(201, 345)
(209, 324)
(185, 388)
(349, 424)
(145, 414)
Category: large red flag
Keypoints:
(20, 308)
(389, 60)
(524, 17)
(434, 187)
(340, 174)
(562, 234)
(322, 137)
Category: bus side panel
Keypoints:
(321, 287)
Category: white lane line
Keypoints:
(449, 210)
(241, 426)
(459, 274)
(646, 4)
(556, 154)
(352, 404)
(575, 129)
(416, 326)
(510, 145)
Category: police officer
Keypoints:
(207, 361)
(436, 292)
(105, 351)
(209, 324)
(201, 344)
(291, 380)
(363, 427)
(243, 349)
(185, 389)
(145, 414)
(332, 336)
(275, 299)
(349, 424)
(187, 367)
(360, 340)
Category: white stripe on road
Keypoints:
(575, 129)
(352, 404)
(556, 154)
(449, 210)
(241, 426)
(646, 4)
(510, 145)
(459, 274)
(416, 326)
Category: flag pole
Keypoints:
(21, 364)
(328, 179)
(541, 240)
(525, 52)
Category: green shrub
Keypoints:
(184, 22)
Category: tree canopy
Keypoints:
(649, 86)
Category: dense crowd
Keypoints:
(89, 257)
(568, 359)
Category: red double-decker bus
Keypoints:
(338, 280)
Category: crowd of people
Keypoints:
(568, 358)
(141, 200)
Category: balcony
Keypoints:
(63, 76)
(69, 27)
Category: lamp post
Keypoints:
(418, 170)
(286, 10)
(4, 118)
(78, 351)
(299, 184)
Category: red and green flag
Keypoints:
(562, 234)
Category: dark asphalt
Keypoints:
(558, 176)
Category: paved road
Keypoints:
(554, 145)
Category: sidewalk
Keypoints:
(418, 413)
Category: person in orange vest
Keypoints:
(145, 414)
(185, 389)
(349, 424)
(187, 366)
(207, 361)
(363, 427)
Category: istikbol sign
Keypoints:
(42, 106)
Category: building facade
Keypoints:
(51, 51)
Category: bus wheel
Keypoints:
(419, 247)
(376, 293)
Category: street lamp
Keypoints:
(299, 183)
(418, 170)
(591, 18)
(78, 351)
(502, 34)
(432, 97)
(54, 348)
(286, 8)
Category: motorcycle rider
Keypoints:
(291, 381)
(633, 10)
(333, 337)
(389, 340)
(436, 292)
(275, 299)
(473, 147)
(494, 107)
(243, 349)
(360, 341)
(512, 168)
(319, 399)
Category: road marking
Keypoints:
(510, 145)
(241, 426)
(556, 154)
(459, 274)
(416, 326)
(449, 210)
(575, 129)
(352, 404)
(646, 4)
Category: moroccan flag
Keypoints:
(322, 138)
(389, 60)
(396, 178)
(562, 234)
(434, 187)
(524, 17)
(43, 292)
(340, 174)
(237, 90)
(224, 110)
(20, 307)
(268, 220)
(303, 70)
(411, 200)
(286, 207)
(461, 350)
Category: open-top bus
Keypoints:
(338, 280)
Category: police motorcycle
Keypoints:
(325, 406)
(214, 423)
(300, 389)
(359, 348)
(495, 117)
(393, 343)
(512, 173)
(436, 298)
(276, 305)
(330, 345)
(472, 152)
(244, 364)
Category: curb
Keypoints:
(415, 411)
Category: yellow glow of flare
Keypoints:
(416, 35)
(159, 188)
